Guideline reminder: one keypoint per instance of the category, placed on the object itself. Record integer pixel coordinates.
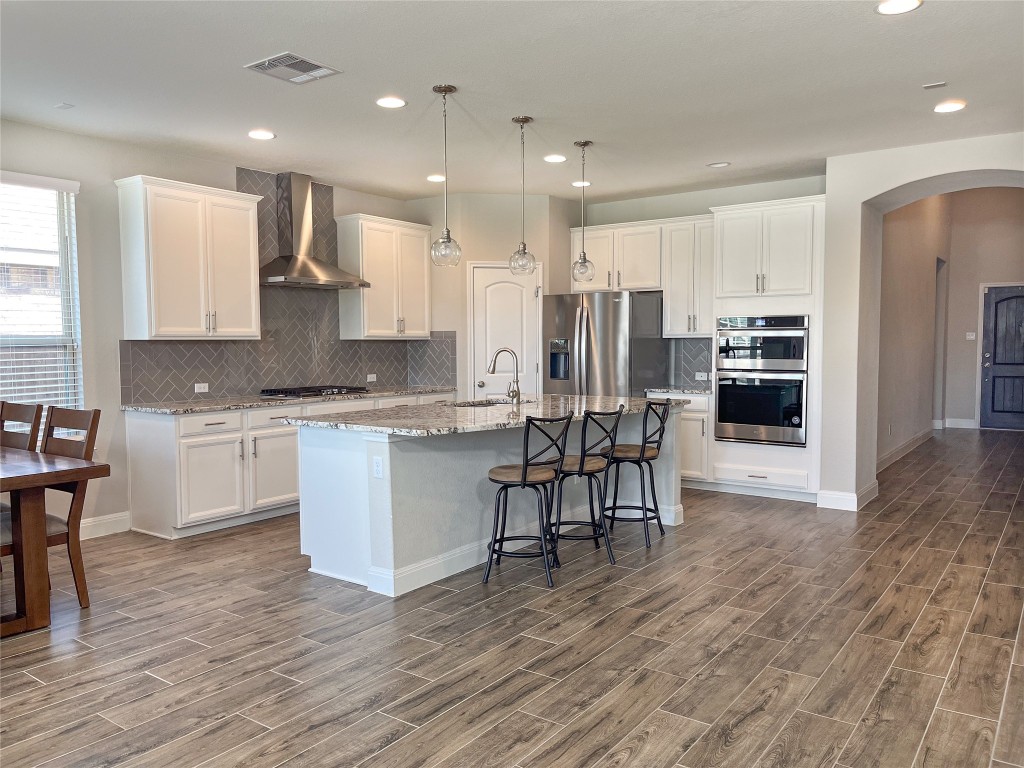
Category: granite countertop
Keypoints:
(255, 401)
(677, 391)
(447, 419)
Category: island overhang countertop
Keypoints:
(453, 418)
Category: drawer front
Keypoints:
(439, 397)
(698, 403)
(209, 423)
(337, 406)
(391, 402)
(271, 417)
(781, 478)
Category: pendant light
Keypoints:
(522, 262)
(582, 270)
(444, 251)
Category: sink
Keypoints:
(485, 403)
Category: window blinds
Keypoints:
(40, 350)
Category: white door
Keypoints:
(600, 245)
(788, 250)
(212, 470)
(638, 258)
(691, 445)
(414, 282)
(738, 253)
(233, 262)
(678, 279)
(177, 263)
(380, 270)
(273, 467)
(704, 279)
(505, 312)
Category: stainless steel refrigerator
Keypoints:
(606, 343)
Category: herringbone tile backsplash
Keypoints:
(688, 357)
(299, 344)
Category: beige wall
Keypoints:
(914, 238)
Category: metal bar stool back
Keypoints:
(641, 455)
(597, 442)
(544, 442)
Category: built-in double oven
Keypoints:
(762, 380)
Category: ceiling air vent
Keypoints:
(294, 69)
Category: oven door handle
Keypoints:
(739, 376)
(765, 332)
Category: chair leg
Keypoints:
(549, 502)
(643, 506)
(615, 496)
(654, 497)
(604, 528)
(78, 569)
(503, 493)
(593, 519)
(494, 535)
(542, 522)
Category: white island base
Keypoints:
(396, 511)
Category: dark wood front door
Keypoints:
(1002, 359)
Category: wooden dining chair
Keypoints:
(27, 437)
(58, 530)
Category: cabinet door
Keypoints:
(212, 470)
(380, 269)
(414, 282)
(678, 276)
(637, 258)
(788, 250)
(177, 264)
(692, 445)
(273, 467)
(600, 246)
(394, 402)
(704, 279)
(738, 253)
(233, 262)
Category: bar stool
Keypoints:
(640, 455)
(543, 454)
(591, 463)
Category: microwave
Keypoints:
(774, 343)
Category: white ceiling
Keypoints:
(661, 88)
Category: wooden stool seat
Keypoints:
(590, 466)
(632, 452)
(513, 473)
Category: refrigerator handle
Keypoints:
(576, 352)
(584, 360)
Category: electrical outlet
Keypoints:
(371, 378)
(971, 336)
(702, 375)
(202, 387)
(378, 467)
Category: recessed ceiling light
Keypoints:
(950, 105)
(437, 178)
(719, 164)
(63, 105)
(554, 158)
(581, 183)
(261, 134)
(896, 7)
(390, 102)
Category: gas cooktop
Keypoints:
(285, 393)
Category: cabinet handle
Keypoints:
(618, 276)
(278, 418)
(609, 278)
(254, 447)
(241, 449)
(757, 283)
(759, 477)
(215, 321)
(703, 423)
(214, 423)
(207, 322)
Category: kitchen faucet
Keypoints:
(513, 387)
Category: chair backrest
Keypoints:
(655, 421)
(19, 413)
(544, 443)
(597, 439)
(59, 419)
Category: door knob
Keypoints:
(480, 384)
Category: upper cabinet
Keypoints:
(600, 246)
(394, 257)
(768, 249)
(189, 260)
(625, 257)
(688, 251)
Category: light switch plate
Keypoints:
(971, 336)
(378, 467)
(702, 375)
(202, 387)
(371, 377)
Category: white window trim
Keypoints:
(41, 182)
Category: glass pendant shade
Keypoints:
(522, 262)
(444, 251)
(583, 269)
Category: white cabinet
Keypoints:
(768, 249)
(687, 274)
(600, 247)
(637, 258)
(189, 260)
(692, 445)
(212, 469)
(394, 257)
(392, 402)
(273, 467)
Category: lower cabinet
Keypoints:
(212, 477)
(273, 467)
(692, 445)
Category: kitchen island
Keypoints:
(400, 498)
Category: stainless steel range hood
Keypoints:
(295, 267)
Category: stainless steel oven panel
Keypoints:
(756, 433)
(747, 364)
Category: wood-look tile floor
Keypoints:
(760, 633)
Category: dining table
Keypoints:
(26, 475)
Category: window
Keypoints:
(40, 350)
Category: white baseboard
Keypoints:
(104, 525)
(938, 424)
(962, 423)
(750, 490)
(903, 449)
(846, 501)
